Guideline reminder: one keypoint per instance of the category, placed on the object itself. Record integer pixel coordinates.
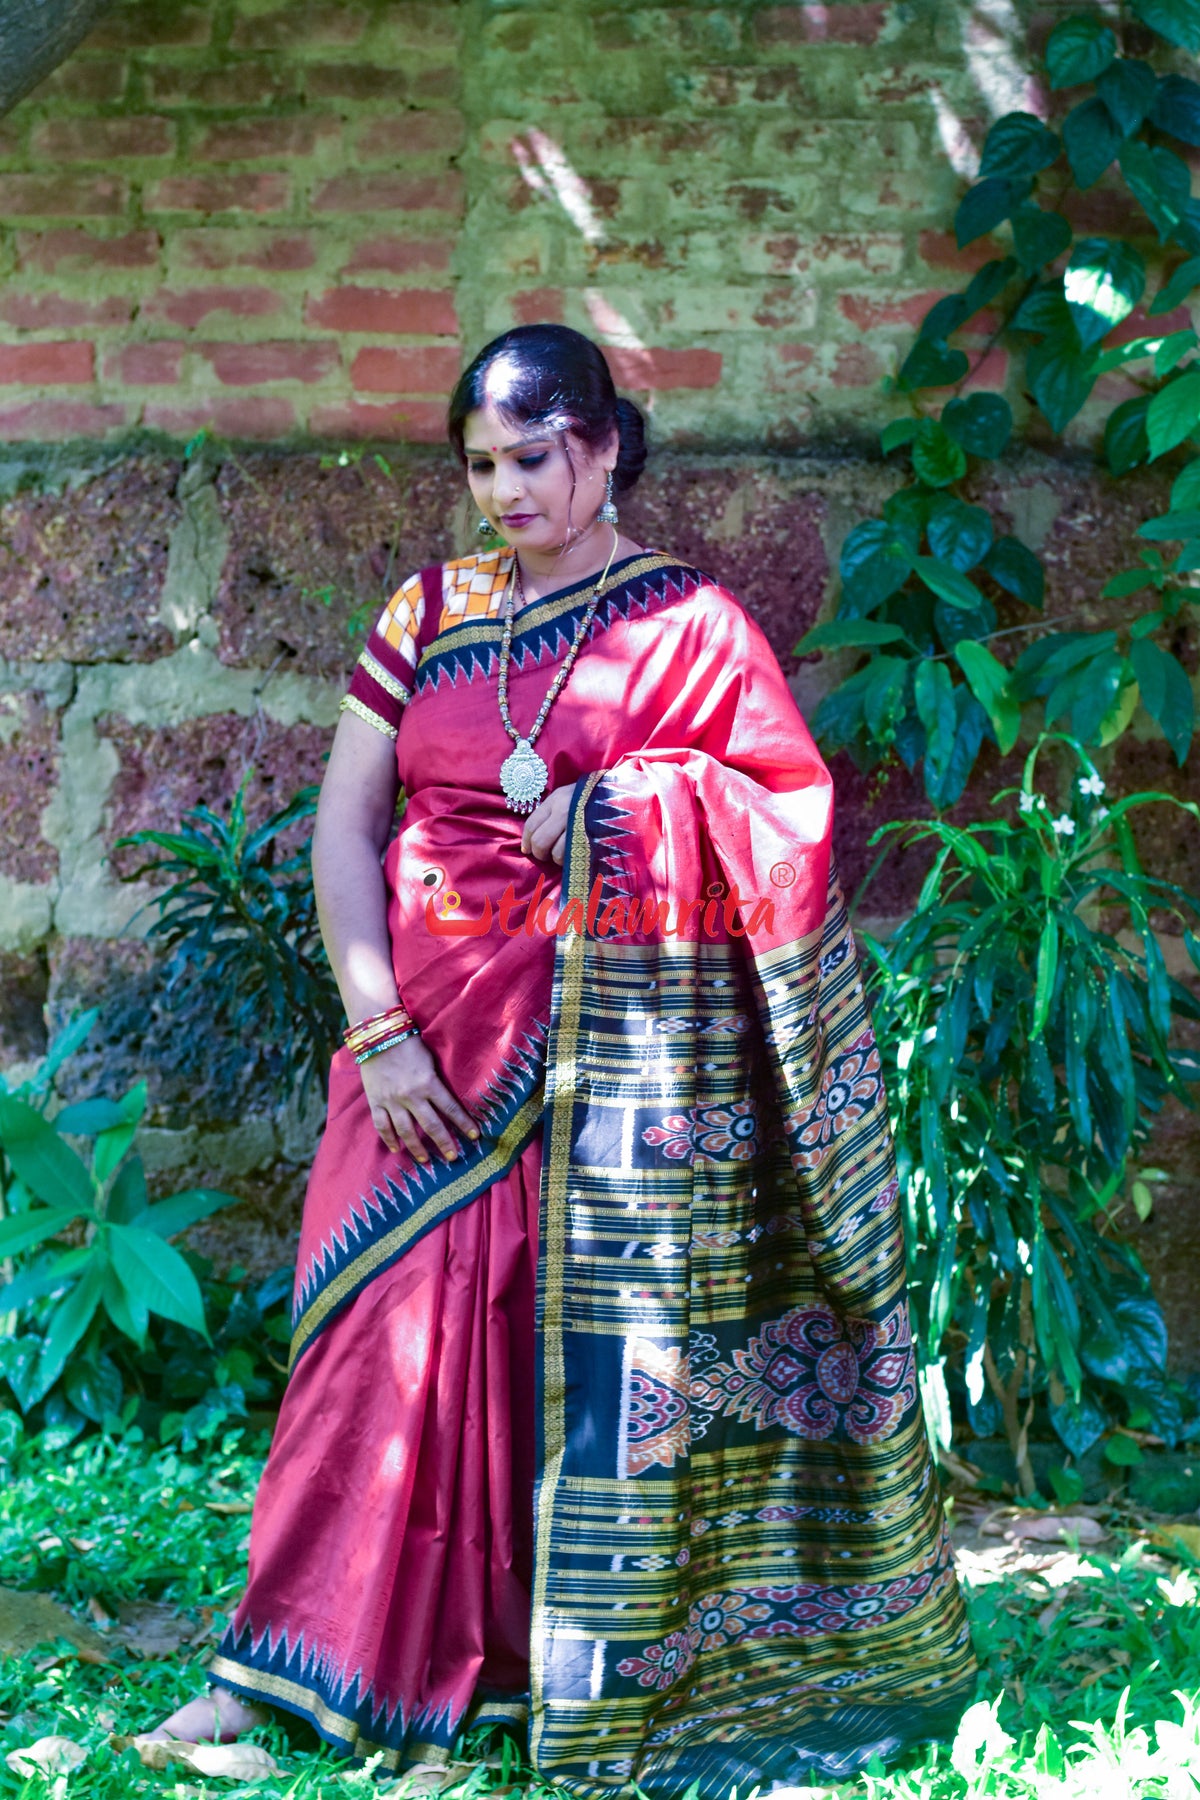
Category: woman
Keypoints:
(603, 1412)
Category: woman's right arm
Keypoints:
(354, 821)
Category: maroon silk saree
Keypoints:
(612, 1422)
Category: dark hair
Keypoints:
(552, 376)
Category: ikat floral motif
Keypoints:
(718, 1132)
(851, 1087)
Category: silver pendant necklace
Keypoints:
(523, 774)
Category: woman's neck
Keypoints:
(545, 572)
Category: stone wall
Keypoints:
(243, 249)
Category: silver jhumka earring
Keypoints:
(608, 512)
(486, 529)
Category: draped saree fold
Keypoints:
(616, 1415)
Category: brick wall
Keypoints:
(284, 220)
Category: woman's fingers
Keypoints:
(560, 847)
(382, 1121)
(434, 1128)
(445, 1101)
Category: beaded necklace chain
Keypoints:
(523, 774)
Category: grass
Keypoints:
(1089, 1657)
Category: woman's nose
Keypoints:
(506, 487)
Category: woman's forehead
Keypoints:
(486, 433)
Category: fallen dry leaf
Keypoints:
(232, 1762)
(28, 1619)
(84, 1545)
(103, 1619)
(228, 1506)
(48, 1756)
(431, 1778)
(149, 1628)
(1170, 1537)
(1057, 1528)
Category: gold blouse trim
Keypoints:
(352, 703)
(378, 673)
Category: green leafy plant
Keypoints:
(923, 587)
(85, 1248)
(240, 922)
(1025, 1015)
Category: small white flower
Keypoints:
(1100, 814)
(1027, 802)
(1064, 826)
(1091, 784)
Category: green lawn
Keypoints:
(1090, 1655)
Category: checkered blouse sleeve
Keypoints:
(383, 678)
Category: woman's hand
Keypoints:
(545, 832)
(404, 1091)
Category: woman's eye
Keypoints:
(531, 462)
(478, 468)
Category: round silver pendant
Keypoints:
(523, 776)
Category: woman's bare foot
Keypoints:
(217, 1717)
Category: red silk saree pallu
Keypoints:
(701, 1466)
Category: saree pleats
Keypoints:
(620, 1406)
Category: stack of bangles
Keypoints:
(383, 1032)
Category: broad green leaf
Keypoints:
(981, 423)
(1183, 280)
(1045, 309)
(1129, 581)
(1092, 140)
(1124, 1452)
(1173, 349)
(176, 1213)
(959, 534)
(128, 1196)
(1166, 694)
(987, 205)
(1017, 570)
(1018, 144)
(948, 583)
(931, 363)
(1173, 413)
(873, 565)
(1117, 719)
(1087, 694)
(937, 459)
(1176, 108)
(1185, 489)
(68, 1322)
(1061, 380)
(897, 432)
(43, 1278)
(1039, 236)
(110, 1150)
(126, 1309)
(23, 1230)
(1125, 441)
(1078, 50)
(944, 317)
(989, 683)
(66, 1044)
(1132, 350)
(883, 696)
(907, 511)
(157, 1275)
(1176, 20)
(86, 1117)
(989, 281)
(1159, 181)
(1102, 285)
(848, 634)
(934, 693)
(48, 1167)
(1172, 528)
(1047, 968)
(1127, 88)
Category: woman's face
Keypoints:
(540, 489)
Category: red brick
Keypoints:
(391, 193)
(664, 368)
(230, 85)
(49, 250)
(406, 421)
(413, 27)
(856, 366)
(47, 420)
(432, 369)
(102, 140)
(537, 306)
(192, 305)
(358, 81)
(867, 313)
(415, 312)
(57, 312)
(243, 246)
(402, 256)
(991, 371)
(402, 135)
(331, 24)
(61, 196)
(250, 140)
(1139, 324)
(823, 22)
(46, 365)
(155, 364)
(940, 251)
(253, 416)
(218, 193)
(82, 78)
(150, 25)
(246, 365)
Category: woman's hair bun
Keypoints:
(631, 457)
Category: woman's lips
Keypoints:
(514, 520)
